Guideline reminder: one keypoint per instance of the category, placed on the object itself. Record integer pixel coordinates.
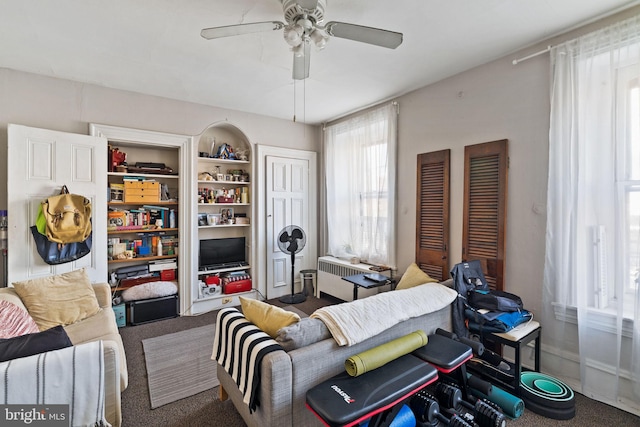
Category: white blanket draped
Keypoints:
(353, 322)
(71, 376)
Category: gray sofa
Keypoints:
(286, 376)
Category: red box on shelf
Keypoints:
(237, 286)
(168, 275)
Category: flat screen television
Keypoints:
(220, 253)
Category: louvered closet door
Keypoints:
(432, 214)
(485, 208)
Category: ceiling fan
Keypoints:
(304, 25)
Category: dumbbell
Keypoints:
(485, 413)
(426, 409)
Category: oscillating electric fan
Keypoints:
(291, 240)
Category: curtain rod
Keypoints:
(533, 55)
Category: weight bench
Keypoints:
(379, 394)
(448, 357)
(376, 395)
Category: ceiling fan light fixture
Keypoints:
(293, 34)
(319, 38)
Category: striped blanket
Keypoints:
(71, 376)
(239, 347)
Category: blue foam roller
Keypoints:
(404, 418)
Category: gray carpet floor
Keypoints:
(204, 409)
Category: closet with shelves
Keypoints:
(148, 209)
(225, 230)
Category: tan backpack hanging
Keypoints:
(67, 216)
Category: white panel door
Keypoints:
(287, 196)
(40, 162)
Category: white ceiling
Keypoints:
(154, 47)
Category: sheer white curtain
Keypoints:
(591, 298)
(360, 159)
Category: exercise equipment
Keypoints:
(379, 395)
(405, 418)
(547, 396)
(376, 357)
(511, 405)
(426, 409)
(484, 413)
(376, 396)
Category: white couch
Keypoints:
(100, 326)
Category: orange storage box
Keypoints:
(141, 192)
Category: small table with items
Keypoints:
(368, 281)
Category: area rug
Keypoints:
(179, 365)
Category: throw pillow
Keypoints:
(267, 317)
(30, 344)
(414, 277)
(14, 321)
(58, 300)
(303, 333)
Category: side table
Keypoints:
(517, 338)
(360, 281)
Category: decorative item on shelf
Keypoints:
(242, 155)
(226, 216)
(225, 151)
(225, 199)
(202, 219)
(116, 192)
(212, 142)
(205, 176)
(236, 174)
(117, 158)
(244, 195)
(214, 219)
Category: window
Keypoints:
(360, 162)
(628, 184)
(593, 213)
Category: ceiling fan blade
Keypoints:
(301, 64)
(240, 29)
(359, 33)
(308, 4)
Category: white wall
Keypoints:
(492, 102)
(67, 106)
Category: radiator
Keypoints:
(330, 273)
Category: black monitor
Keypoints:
(218, 253)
